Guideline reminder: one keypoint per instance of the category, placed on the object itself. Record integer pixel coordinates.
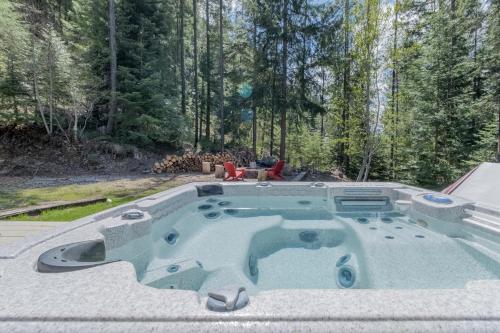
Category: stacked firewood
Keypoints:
(190, 162)
(218, 158)
(243, 157)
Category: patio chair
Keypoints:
(275, 171)
(233, 173)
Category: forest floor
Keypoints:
(36, 169)
(28, 151)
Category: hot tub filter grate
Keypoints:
(308, 236)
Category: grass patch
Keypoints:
(72, 213)
(119, 191)
(112, 189)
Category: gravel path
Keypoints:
(12, 183)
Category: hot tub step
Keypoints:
(489, 226)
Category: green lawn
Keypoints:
(118, 192)
(73, 213)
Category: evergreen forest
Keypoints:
(405, 90)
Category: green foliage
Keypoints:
(14, 95)
(419, 105)
(444, 117)
(485, 147)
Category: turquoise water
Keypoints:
(266, 243)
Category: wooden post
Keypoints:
(219, 171)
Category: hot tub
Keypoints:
(263, 257)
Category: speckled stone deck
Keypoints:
(13, 231)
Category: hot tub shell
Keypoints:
(109, 298)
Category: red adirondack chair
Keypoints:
(275, 171)
(233, 173)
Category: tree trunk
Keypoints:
(50, 60)
(322, 100)
(113, 66)
(273, 101)
(498, 125)
(367, 140)
(221, 76)
(372, 143)
(183, 69)
(284, 102)
(254, 98)
(201, 108)
(208, 101)
(75, 126)
(177, 50)
(477, 77)
(368, 166)
(195, 69)
(344, 144)
(394, 93)
(11, 70)
(34, 68)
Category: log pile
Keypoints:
(190, 162)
